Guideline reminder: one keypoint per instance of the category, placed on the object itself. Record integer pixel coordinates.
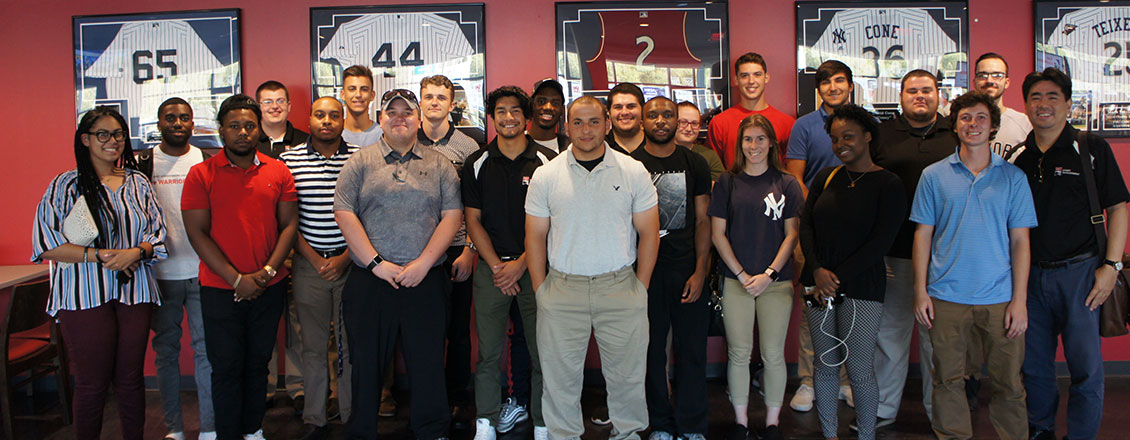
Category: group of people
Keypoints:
(976, 226)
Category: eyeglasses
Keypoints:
(269, 102)
(683, 123)
(993, 75)
(104, 136)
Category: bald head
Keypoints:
(327, 119)
(587, 100)
(587, 124)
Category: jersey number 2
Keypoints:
(410, 56)
(648, 48)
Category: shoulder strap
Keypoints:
(1098, 220)
(831, 175)
(145, 163)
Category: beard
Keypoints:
(651, 137)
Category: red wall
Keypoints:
(37, 123)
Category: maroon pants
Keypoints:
(107, 344)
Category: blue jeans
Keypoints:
(1056, 309)
(176, 297)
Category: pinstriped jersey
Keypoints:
(882, 44)
(395, 44)
(1095, 42)
(148, 61)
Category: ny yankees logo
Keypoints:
(839, 36)
(774, 206)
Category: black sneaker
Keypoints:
(772, 432)
(738, 432)
(1041, 434)
(972, 388)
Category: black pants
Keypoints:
(239, 337)
(375, 314)
(458, 369)
(687, 324)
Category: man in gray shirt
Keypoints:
(584, 212)
(398, 206)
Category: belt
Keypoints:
(1063, 263)
(332, 252)
(509, 257)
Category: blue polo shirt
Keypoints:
(810, 142)
(969, 255)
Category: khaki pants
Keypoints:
(770, 312)
(319, 305)
(954, 325)
(613, 307)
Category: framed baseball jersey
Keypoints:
(135, 62)
(1090, 42)
(402, 45)
(881, 42)
(675, 49)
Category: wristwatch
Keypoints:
(270, 270)
(772, 273)
(1117, 265)
(377, 260)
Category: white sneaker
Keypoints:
(483, 430)
(511, 414)
(207, 435)
(845, 395)
(802, 400)
(174, 436)
(541, 433)
(660, 435)
(258, 435)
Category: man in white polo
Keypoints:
(584, 212)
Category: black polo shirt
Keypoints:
(497, 185)
(1060, 193)
(906, 151)
(611, 139)
(291, 137)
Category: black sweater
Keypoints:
(848, 230)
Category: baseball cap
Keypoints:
(395, 94)
(548, 82)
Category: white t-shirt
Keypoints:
(1014, 129)
(168, 181)
(550, 144)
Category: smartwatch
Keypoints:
(270, 270)
(1117, 265)
(377, 260)
(772, 273)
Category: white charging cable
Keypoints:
(839, 342)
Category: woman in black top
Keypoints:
(850, 220)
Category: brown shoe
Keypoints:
(388, 404)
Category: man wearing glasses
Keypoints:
(277, 134)
(991, 77)
(398, 206)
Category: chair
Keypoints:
(38, 357)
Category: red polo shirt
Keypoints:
(243, 205)
(722, 135)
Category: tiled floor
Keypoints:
(281, 424)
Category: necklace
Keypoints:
(854, 179)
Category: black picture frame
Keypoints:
(874, 39)
(692, 65)
(396, 42)
(1085, 41)
(134, 62)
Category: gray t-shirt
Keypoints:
(363, 138)
(590, 213)
(1014, 129)
(399, 199)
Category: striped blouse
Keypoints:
(315, 177)
(83, 286)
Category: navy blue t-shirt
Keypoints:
(759, 207)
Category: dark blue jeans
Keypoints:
(1056, 309)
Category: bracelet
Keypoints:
(98, 257)
(142, 251)
(238, 278)
(86, 254)
(739, 274)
